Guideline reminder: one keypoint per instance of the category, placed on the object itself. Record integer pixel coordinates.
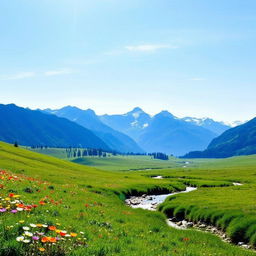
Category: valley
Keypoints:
(92, 202)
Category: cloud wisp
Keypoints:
(149, 47)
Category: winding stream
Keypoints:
(150, 202)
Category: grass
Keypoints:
(86, 199)
(114, 163)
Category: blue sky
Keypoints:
(191, 57)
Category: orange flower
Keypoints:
(44, 239)
(52, 228)
(42, 202)
(53, 240)
(73, 234)
(11, 195)
(41, 249)
(39, 225)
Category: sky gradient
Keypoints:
(192, 58)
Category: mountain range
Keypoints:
(164, 132)
(135, 131)
(87, 118)
(240, 140)
(33, 128)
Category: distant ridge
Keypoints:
(115, 140)
(164, 132)
(240, 140)
(32, 127)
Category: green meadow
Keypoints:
(87, 203)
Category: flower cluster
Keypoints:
(43, 237)
(13, 204)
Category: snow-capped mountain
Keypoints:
(208, 123)
(131, 123)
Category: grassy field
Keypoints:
(114, 163)
(76, 198)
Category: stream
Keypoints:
(150, 202)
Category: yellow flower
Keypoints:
(73, 234)
(41, 249)
(21, 221)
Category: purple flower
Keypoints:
(35, 238)
(14, 211)
(2, 210)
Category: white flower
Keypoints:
(19, 209)
(28, 233)
(26, 228)
(32, 225)
(26, 241)
(45, 226)
(82, 233)
(20, 238)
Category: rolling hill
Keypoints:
(116, 140)
(33, 128)
(240, 140)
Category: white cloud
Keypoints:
(58, 72)
(149, 47)
(17, 76)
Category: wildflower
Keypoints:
(41, 249)
(21, 221)
(26, 228)
(39, 225)
(14, 211)
(26, 241)
(35, 238)
(20, 238)
(63, 233)
(11, 195)
(44, 239)
(73, 234)
(28, 234)
(32, 225)
(19, 209)
(52, 228)
(53, 240)
(3, 210)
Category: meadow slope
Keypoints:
(69, 198)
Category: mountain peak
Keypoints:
(90, 112)
(69, 107)
(137, 109)
(165, 113)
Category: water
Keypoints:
(150, 202)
